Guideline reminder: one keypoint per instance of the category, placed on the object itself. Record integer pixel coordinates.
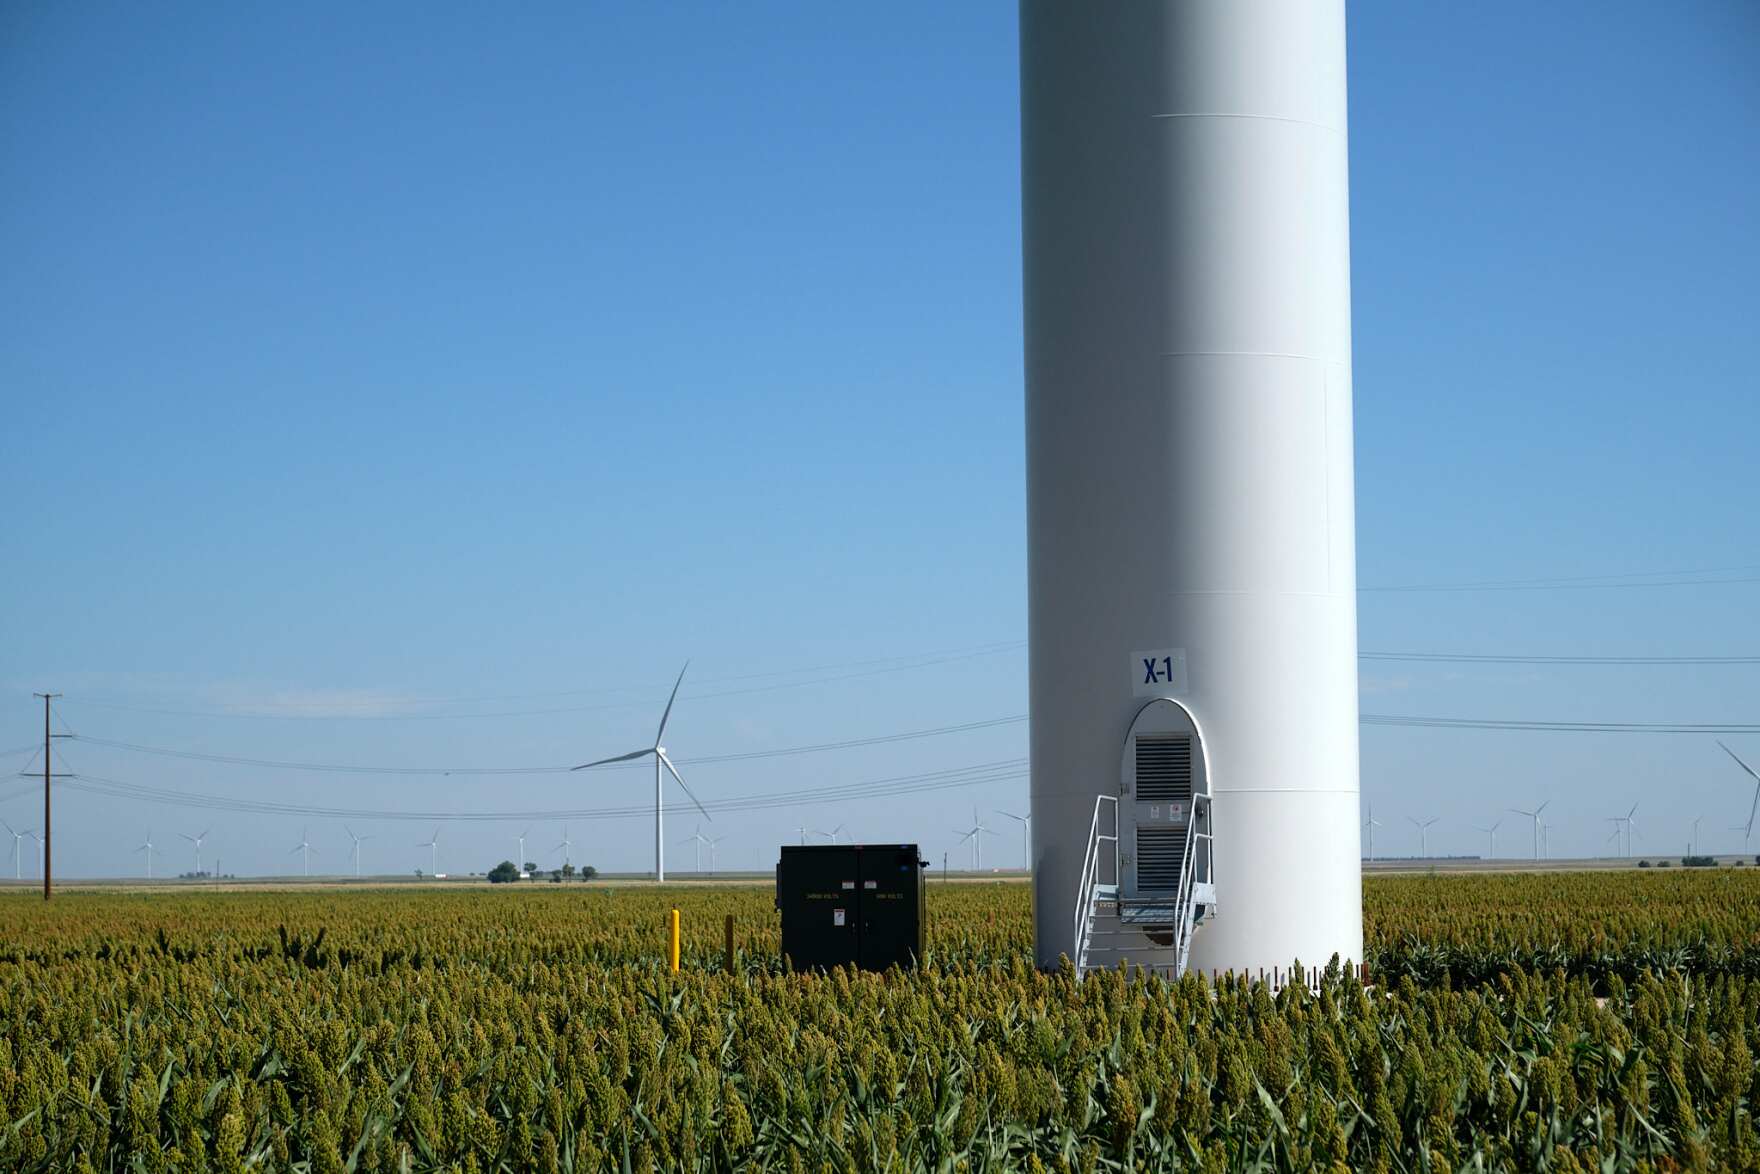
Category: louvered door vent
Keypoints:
(1164, 768)
(1158, 858)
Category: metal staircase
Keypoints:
(1151, 930)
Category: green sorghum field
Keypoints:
(1568, 1021)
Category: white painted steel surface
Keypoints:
(1189, 465)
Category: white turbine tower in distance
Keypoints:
(148, 848)
(564, 846)
(1026, 822)
(197, 841)
(1423, 826)
(713, 841)
(1369, 826)
(662, 766)
(806, 831)
(358, 840)
(837, 831)
(699, 839)
(1746, 829)
(1535, 816)
(1491, 851)
(305, 846)
(433, 847)
(16, 837)
(975, 834)
(520, 864)
(1697, 820)
(41, 840)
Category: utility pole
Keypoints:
(48, 848)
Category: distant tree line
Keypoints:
(507, 872)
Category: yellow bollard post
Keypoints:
(674, 953)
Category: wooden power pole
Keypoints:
(48, 842)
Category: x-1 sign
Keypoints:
(1159, 672)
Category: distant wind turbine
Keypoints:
(1423, 826)
(661, 762)
(1747, 829)
(564, 846)
(433, 847)
(1491, 852)
(1535, 816)
(148, 848)
(197, 841)
(713, 841)
(806, 831)
(697, 837)
(1696, 821)
(1369, 826)
(520, 864)
(305, 846)
(1026, 822)
(1624, 823)
(975, 834)
(16, 837)
(357, 848)
(40, 842)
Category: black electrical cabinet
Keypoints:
(858, 905)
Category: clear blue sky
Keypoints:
(350, 356)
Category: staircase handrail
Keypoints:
(1084, 912)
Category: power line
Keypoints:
(1478, 658)
(1559, 727)
(745, 756)
(1587, 582)
(890, 665)
(1003, 770)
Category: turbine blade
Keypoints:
(687, 789)
(633, 754)
(1740, 763)
(660, 734)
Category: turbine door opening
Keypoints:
(1164, 791)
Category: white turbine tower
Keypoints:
(520, 864)
(806, 831)
(1026, 822)
(358, 840)
(40, 841)
(197, 841)
(564, 846)
(433, 847)
(1696, 821)
(1747, 829)
(1535, 816)
(304, 846)
(837, 831)
(16, 837)
(975, 834)
(713, 841)
(1369, 826)
(148, 848)
(661, 764)
(699, 840)
(1491, 832)
(1423, 826)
